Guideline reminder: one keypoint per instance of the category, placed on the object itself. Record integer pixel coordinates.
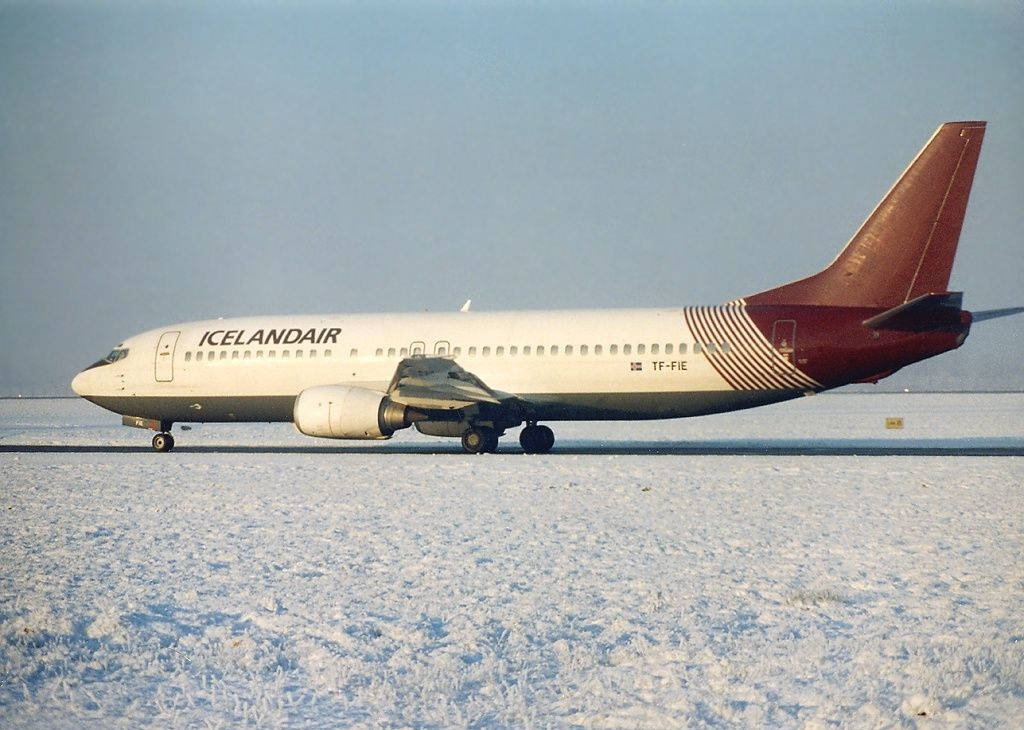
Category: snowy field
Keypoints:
(407, 585)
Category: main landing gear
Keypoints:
(484, 440)
(480, 440)
(536, 439)
(163, 442)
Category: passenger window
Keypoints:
(327, 353)
(285, 353)
(312, 353)
(188, 357)
(568, 349)
(248, 354)
(526, 349)
(613, 349)
(298, 354)
(379, 352)
(726, 347)
(513, 350)
(627, 349)
(682, 348)
(391, 352)
(259, 354)
(210, 355)
(640, 349)
(554, 349)
(597, 349)
(668, 349)
(540, 350)
(353, 353)
(696, 348)
(442, 350)
(224, 355)
(199, 356)
(583, 349)
(272, 353)
(499, 350)
(234, 354)
(472, 351)
(404, 352)
(655, 349)
(456, 351)
(486, 351)
(710, 347)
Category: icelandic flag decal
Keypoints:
(636, 366)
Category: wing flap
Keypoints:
(438, 383)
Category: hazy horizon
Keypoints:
(163, 163)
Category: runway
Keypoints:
(581, 448)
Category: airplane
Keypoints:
(882, 304)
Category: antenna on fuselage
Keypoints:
(465, 307)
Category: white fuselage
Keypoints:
(628, 363)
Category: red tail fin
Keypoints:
(906, 246)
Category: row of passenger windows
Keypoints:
(251, 354)
(669, 348)
(656, 348)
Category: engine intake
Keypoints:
(348, 412)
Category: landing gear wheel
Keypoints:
(480, 441)
(536, 439)
(163, 442)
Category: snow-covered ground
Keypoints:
(415, 589)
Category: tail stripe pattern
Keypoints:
(751, 362)
(752, 349)
(735, 359)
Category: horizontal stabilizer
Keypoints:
(996, 313)
(924, 313)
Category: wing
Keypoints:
(439, 383)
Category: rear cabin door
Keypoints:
(165, 356)
(784, 342)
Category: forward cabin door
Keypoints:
(784, 342)
(165, 356)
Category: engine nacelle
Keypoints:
(347, 412)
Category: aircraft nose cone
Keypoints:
(78, 383)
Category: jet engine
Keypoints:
(348, 412)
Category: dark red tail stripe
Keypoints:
(740, 354)
(718, 335)
(773, 360)
(692, 321)
(759, 359)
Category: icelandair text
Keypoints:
(295, 336)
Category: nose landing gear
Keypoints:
(163, 442)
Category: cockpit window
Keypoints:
(118, 353)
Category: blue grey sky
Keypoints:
(176, 161)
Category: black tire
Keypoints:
(163, 442)
(480, 440)
(536, 439)
(528, 439)
(547, 439)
